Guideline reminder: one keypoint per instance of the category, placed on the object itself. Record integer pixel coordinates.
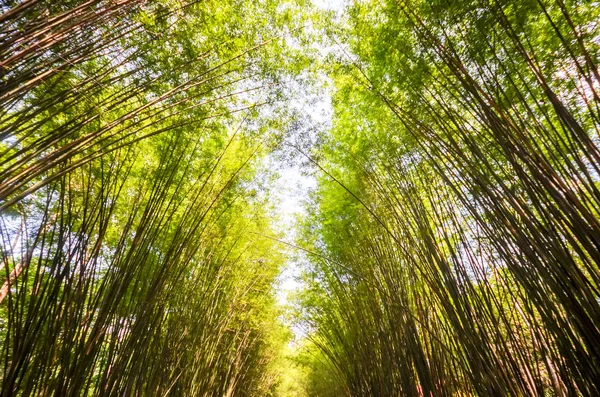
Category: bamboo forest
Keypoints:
(299, 198)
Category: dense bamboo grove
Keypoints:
(458, 213)
(132, 133)
(451, 247)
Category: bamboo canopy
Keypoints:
(450, 246)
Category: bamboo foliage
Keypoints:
(93, 322)
(130, 154)
(127, 87)
(454, 238)
(474, 247)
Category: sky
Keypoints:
(294, 184)
(333, 5)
